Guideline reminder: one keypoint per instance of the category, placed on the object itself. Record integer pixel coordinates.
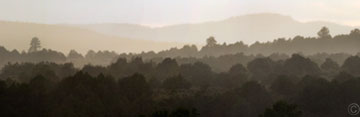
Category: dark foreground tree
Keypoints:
(180, 112)
(282, 109)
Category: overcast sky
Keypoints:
(167, 12)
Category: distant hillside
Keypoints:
(248, 28)
(15, 35)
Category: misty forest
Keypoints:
(299, 76)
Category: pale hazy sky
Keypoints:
(167, 12)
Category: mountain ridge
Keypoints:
(238, 28)
(17, 35)
(137, 38)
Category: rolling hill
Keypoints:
(247, 28)
(16, 35)
(137, 38)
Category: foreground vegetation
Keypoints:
(184, 82)
(135, 88)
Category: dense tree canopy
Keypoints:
(191, 89)
(280, 78)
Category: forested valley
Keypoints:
(299, 76)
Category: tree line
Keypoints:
(321, 47)
(312, 76)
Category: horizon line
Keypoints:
(184, 23)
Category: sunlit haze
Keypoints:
(179, 58)
(157, 13)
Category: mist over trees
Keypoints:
(318, 49)
(312, 76)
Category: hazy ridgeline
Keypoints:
(321, 79)
(219, 56)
